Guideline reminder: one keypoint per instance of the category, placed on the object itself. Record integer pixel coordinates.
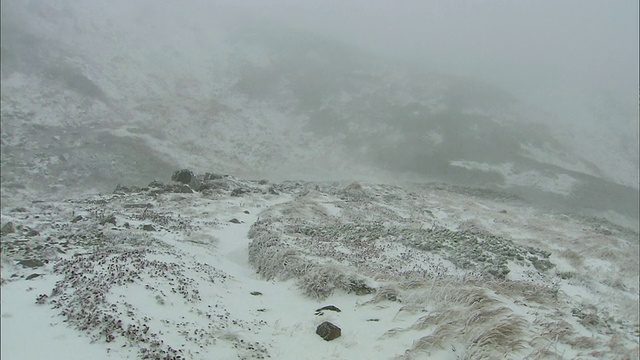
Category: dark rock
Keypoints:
(185, 189)
(256, 293)
(8, 228)
(246, 212)
(33, 276)
(77, 218)
(155, 184)
(183, 176)
(31, 263)
(273, 191)
(148, 227)
(503, 211)
(328, 331)
(329, 307)
(235, 221)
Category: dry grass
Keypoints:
(576, 260)
(584, 342)
(437, 338)
(385, 294)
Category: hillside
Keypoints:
(89, 101)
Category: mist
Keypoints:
(539, 98)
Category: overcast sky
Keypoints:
(544, 51)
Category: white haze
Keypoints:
(571, 58)
(575, 60)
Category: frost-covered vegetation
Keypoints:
(422, 271)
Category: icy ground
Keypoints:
(239, 271)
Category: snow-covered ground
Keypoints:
(241, 270)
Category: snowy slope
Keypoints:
(94, 94)
(240, 269)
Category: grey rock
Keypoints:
(8, 228)
(31, 263)
(212, 176)
(156, 184)
(33, 276)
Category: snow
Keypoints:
(30, 331)
(199, 291)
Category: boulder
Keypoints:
(183, 176)
(328, 331)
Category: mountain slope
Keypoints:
(82, 91)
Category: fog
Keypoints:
(483, 93)
(547, 52)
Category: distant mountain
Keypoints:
(93, 96)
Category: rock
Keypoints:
(77, 218)
(329, 307)
(256, 293)
(148, 227)
(185, 189)
(33, 276)
(238, 192)
(246, 212)
(183, 176)
(155, 184)
(31, 263)
(187, 177)
(235, 221)
(328, 331)
(121, 190)
(32, 233)
(212, 176)
(214, 184)
(503, 211)
(8, 228)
